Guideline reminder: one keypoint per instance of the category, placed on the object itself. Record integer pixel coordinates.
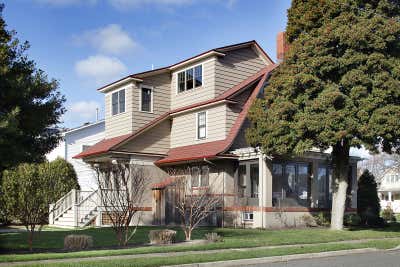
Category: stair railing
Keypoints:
(64, 204)
(85, 207)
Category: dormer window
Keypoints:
(118, 102)
(190, 78)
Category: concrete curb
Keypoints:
(274, 259)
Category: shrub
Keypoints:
(309, 220)
(214, 237)
(375, 222)
(368, 204)
(78, 242)
(323, 219)
(388, 215)
(352, 219)
(165, 236)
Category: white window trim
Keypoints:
(110, 94)
(197, 125)
(184, 70)
(152, 98)
(247, 219)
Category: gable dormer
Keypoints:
(211, 74)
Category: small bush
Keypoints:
(376, 222)
(309, 220)
(78, 242)
(165, 236)
(388, 215)
(213, 237)
(352, 220)
(323, 219)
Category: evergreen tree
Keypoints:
(30, 105)
(338, 87)
(368, 204)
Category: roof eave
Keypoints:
(118, 83)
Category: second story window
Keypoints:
(202, 125)
(146, 100)
(190, 78)
(118, 102)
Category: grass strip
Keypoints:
(229, 255)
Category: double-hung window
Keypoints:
(118, 102)
(202, 125)
(248, 216)
(190, 78)
(146, 100)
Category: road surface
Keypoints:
(371, 259)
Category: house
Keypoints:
(74, 141)
(389, 189)
(192, 115)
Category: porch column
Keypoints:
(390, 196)
(265, 186)
(354, 187)
(314, 187)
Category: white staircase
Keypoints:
(76, 209)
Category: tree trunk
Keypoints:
(340, 162)
(188, 234)
(30, 238)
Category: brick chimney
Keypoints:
(281, 46)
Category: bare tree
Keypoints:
(194, 203)
(378, 164)
(121, 187)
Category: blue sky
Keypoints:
(86, 43)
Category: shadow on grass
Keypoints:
(390, 227)
(104, 238)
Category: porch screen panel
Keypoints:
(290, 185)
(254, 180)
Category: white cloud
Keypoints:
(102, 69)
(109, 40)
(66, 2)
(84, 110)
(124, 4)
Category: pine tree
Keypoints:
(30, 104)
(338, 87)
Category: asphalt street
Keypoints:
(371, 259)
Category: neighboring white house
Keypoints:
(389, 189)
(75, 141)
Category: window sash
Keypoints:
(181, 81)
(121, 102)
(205, 174)
(198, 76)
(146, 101)
(190, 78)
(114, 103)
(195, 176)
(201, 125)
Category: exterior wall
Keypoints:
(184, 131)
(74, 145)
(122, 123)
(58, 152)
(161, 85)
(236, 66)
(205, 92)
(155, 140)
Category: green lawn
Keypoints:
(228, 255)
(233, 238)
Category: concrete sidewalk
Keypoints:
(172, 254)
